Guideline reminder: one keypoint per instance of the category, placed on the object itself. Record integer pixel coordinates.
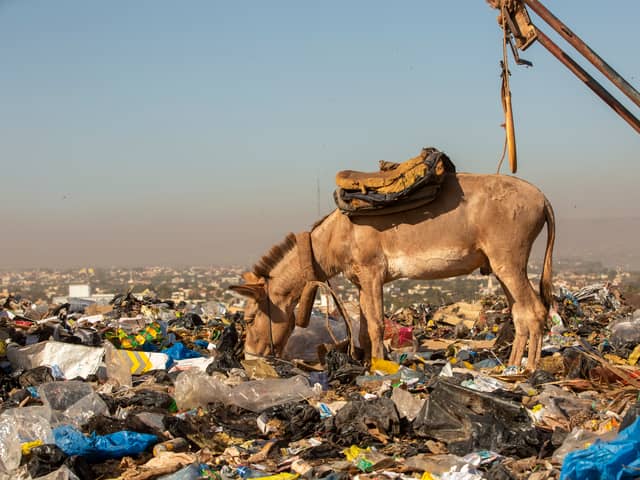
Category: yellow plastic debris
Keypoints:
(353, 452)
(385, 366)
(281, 476)
(635, 355)
(3, 348)
(26, 447)
(427, 476)
(615, 359)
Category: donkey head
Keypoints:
(273, 290)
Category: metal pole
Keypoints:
(585, 50)
(588, 80)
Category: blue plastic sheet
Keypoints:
(618, 459)
(178, 351)
(102, 447)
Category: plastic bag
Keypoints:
(468, 420)
(562, 404)
(618, 459)
(10, 452)
(117, 365)
(73, 360)
(102, 447)
(61, 395)
(63, 473)
(36, 376)
(22, 425)
(304, 342)
(86, 408)
(44, 460)
(179, 352)
(362, 421)
(579, 439)
(408, 405)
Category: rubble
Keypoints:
(149, 389)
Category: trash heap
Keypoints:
(150, 389)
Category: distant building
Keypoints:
(80, 290)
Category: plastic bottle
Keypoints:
(190, 472)
(178, 444)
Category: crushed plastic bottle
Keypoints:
(626, 333)
(259, 395)
(174, 445)
(197, 389)
(194, 388)
(190, 472)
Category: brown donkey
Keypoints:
(478, 221)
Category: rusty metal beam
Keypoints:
(585, 50)
(588, 80)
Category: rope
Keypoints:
(327, 324)
(343, 313)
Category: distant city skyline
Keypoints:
(155, 132)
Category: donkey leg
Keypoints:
(528, 316)
(372, 313)
(531, 312)
(363, 333)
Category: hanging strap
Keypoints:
(505, 94)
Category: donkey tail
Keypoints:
(546, 287)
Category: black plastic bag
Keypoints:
(467, 420)
(300, 418)
(362, 421)
(45, 459)
(36, 376)
(341, 368)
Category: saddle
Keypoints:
(395, 187)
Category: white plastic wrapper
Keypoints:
(73, 360)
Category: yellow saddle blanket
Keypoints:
(392, 177)
(395, 185)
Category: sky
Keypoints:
(201, 132)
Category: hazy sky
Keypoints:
(157, 132)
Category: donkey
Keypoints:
(477, 221)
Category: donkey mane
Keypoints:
(268, 262)
(272, 258)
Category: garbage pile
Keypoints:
(150, 389)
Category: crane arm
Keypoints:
(524, 33)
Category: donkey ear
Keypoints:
(303, 314)
(251, 290)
